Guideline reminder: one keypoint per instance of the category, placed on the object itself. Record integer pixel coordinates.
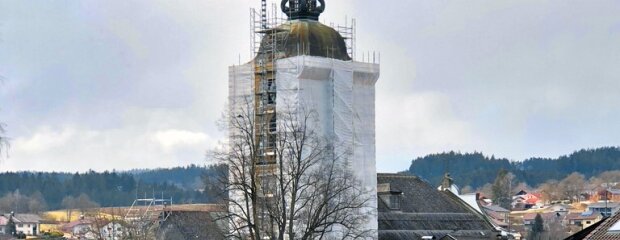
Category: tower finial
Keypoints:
(303, 9)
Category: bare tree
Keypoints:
(106, 224)
(4, 142)
(191, 225)
(14, 202)
(85, 204)
(550, 191)
(69, 204)
(572, 186)
(306, 192)
(607, 179)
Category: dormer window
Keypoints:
(394, 202)
(391, 200)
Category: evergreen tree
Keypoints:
(538, 228)
(502, 188)
(10, 226)
(476, 170)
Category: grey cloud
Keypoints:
(510, 78)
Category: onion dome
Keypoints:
(303, 34)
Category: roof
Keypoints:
(71, 225)
(304, 37)
(193, 225)
(601, 232)
(472, 201)
(425, 211)
(585, 232)
(27, 218)
(603, 205)
(545, 216)
(583, 216)
(495, 208)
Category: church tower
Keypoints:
(302, 63)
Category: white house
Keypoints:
(81, 228)
(112, 231)
(607, 209)
(29, 224)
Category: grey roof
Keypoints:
(603, 204)
(495, 208)
(426, 211)
(192, 225)
(27, 218)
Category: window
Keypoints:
(20, 225)
(392, 201)
(395, 201)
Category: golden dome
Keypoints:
(304, 37)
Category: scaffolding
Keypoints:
(148, 213)
(269, 32)
(348, 31)
(266, 35)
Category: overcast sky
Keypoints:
(121, 84)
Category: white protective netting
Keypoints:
(343, 95)
(240, 86)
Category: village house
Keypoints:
(112, 231)
(410, 208)
(613, 195)
(81, 228)
(524, 200)
(605, 208)
(499, 216)
(548, 217)
(607, 229)
(583, 220)
(28, 224)
(4, 221)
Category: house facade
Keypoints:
(112, 231)
(607, 229)
(605, 208)
(4, 221)
(81, 229)
(583, 220)
(499, 216)
(29, 224)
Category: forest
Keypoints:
(37, 191)
(476, 169)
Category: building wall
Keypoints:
(27, 228)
